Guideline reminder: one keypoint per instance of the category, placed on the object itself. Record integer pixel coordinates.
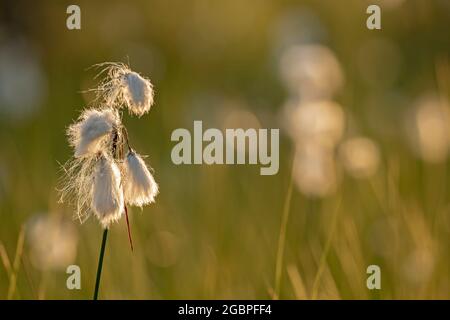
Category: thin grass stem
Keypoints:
(100, 264)
(324, 256)
(282, 239)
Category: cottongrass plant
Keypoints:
(106, 174)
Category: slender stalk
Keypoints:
(128, 228)
(16, 264)
(124, 136)
(324, 256)
(100, 264)
(282, 239)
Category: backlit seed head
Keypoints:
(360, 157)
(311, 71)
(138, 93)
(87, 135)
(52, 242)
(314, 170)
(93, 181)
(124, 87)
(107, 192)
(318, 122)
(429, 130)
(140, 187)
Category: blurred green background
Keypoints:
(226, 231)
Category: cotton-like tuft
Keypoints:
(96, 179)
(138, 93)
(107, 192)
(87, 135)
(140, 187)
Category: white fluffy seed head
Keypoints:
(88, 133)
(140, 187)
(107, 192)
(137, 93)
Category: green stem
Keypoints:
(282, 239)
(100, 264)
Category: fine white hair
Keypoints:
(140, 187)
(124, 87)
(107, 192)
(76, 185)
(138, 93)
(88, 133)
(100, 178)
